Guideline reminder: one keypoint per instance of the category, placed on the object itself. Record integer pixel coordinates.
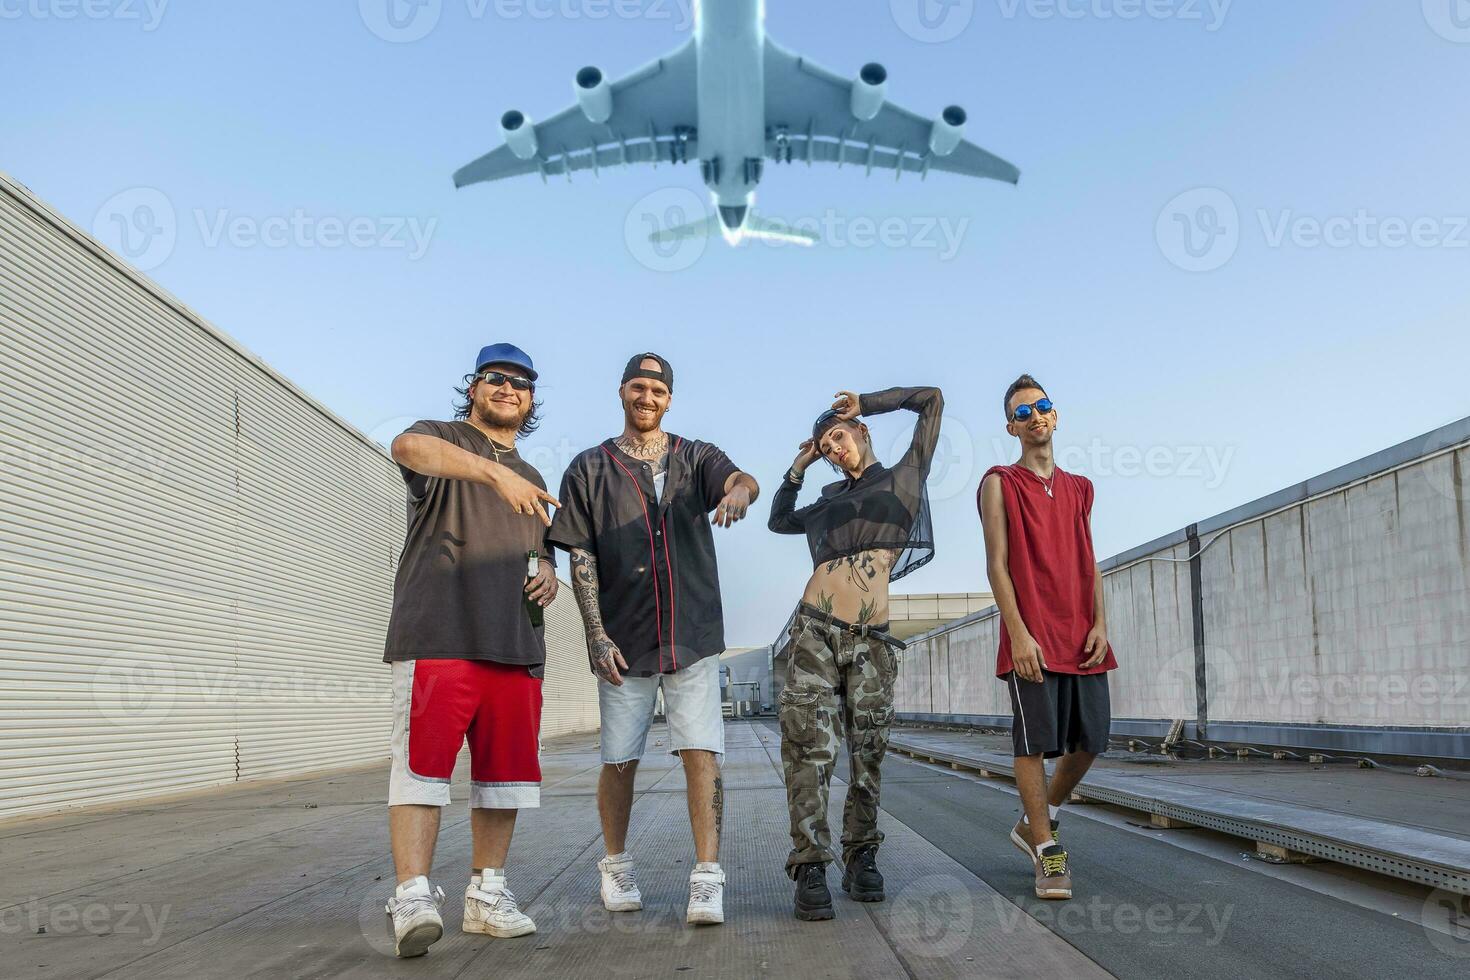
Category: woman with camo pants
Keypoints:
(866, 530)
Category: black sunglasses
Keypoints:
(1023, 412)
(496, 378)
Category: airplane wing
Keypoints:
(809, 115)
(654, 116)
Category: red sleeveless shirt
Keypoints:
(1050, 557)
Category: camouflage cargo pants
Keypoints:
(833, 674)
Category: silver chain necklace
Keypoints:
(1045, 483)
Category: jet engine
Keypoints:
(594, 95)
(869, 91)
(519, 133)
(948, 130)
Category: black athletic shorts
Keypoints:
(1064, 713)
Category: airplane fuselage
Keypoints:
(730, 38)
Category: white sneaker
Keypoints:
(414, 912)
(491, 909)
(706, 895)
(619, 884)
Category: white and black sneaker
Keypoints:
(619, 884)
(413, 912)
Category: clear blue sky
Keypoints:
(1182, 393)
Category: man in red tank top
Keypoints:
(1054, 654)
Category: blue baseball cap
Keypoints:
(505, 354)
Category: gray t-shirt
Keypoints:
(460, 589)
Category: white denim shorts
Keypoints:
(691, 705)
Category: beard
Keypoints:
(641, 422)
(502, 415)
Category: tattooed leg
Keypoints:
(718, 805)
(706, 796)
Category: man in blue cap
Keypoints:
(466, 644)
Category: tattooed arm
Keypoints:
(604, 653)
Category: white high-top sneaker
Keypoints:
(414, 912)
(706, 895)
(619, 884)
(491, 909)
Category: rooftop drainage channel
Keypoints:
(1400, 852)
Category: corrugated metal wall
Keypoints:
(196, 559)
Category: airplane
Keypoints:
(732, 99)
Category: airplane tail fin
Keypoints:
(695, 229)
(775, 230)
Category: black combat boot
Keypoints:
(813, 900)
(861, 878)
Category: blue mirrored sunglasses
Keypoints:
(1023, 412)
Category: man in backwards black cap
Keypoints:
(643, 571)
